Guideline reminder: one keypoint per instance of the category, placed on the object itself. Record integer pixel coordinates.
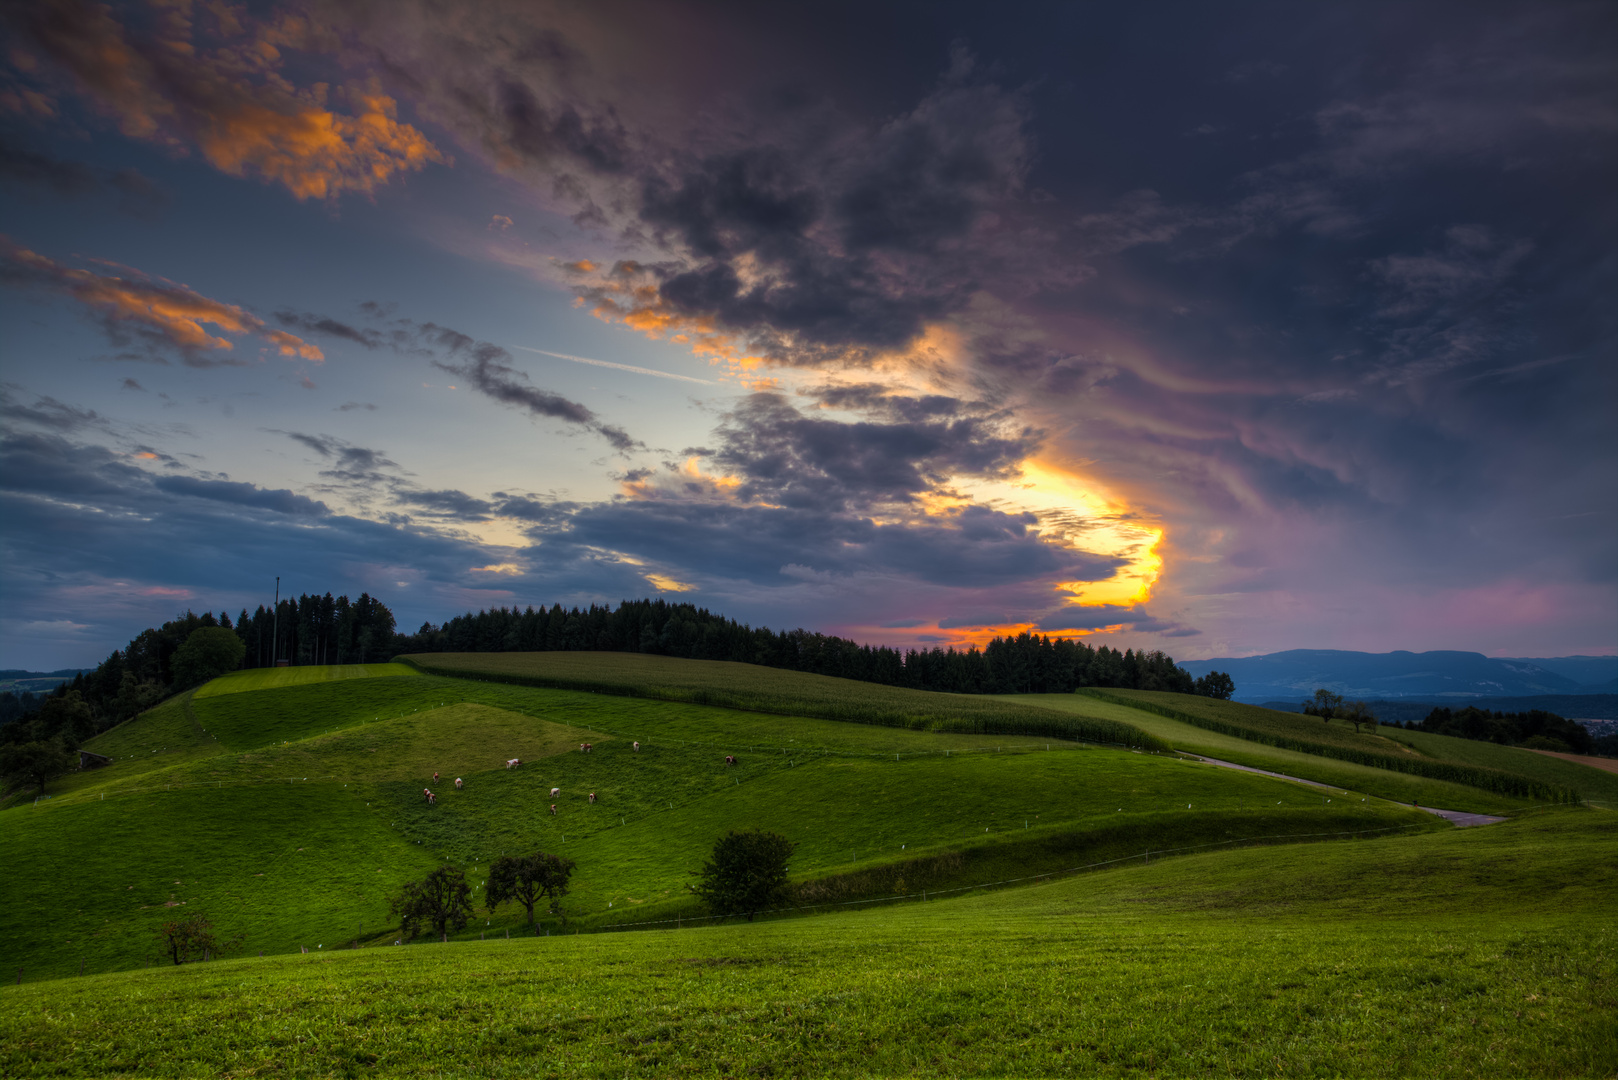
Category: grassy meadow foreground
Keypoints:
(1487, 952)
(982, 893)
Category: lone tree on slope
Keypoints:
(190, 938)
(441, 900)
(1359, 714)
(1324, 705)
(747, 873)
(36, 763)
(528, 879)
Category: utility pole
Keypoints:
(275, 625)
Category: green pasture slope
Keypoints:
(770, 690)
(1274, 929)
(1501, 770)
(1486, 952)
(289, 814)
(270, 678)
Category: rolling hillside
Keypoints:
(1462, 953)
(290, 812)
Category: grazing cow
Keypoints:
(427, 793)
(637, 748)
(513, 763)
(730, 759)
(555, 791)
(553, 809)
(592, 796)
(435, 778)
(457, 783)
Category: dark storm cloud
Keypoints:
(812, 230)
(785, 457)
(761, 545)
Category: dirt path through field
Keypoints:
(1605, 764)
(1458, 818)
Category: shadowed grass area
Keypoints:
(1483, 952)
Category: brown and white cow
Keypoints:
(592, 796)
(457, 783)
(513, 763)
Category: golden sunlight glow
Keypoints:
(498, 568)
(663, 583)
(1082, 515)
(1073, 511)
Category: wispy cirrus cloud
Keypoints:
(162, 315)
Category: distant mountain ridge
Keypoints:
(18, 681)
(1440, 675)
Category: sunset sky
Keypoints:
(1215, 328)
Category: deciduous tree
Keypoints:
(528, 879)
(190, 938)
(1324, 704)
(441, 900)
(36, 763)
(1359, 714)
(1216, 684)
(746, 874)
(209, 652)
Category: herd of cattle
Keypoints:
(512, 763)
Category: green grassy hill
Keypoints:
(772, 690)
(1510, 774)
(289, 813)
(1462, 953)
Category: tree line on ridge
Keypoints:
(322, 629)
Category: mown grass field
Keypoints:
(271, 678)
(235, 785)
(1399, 787)
(1481, 952)
(769, 690)
(1508, 774)
(1598, 788)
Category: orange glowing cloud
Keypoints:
(161, 312)
(313, 152)
(229, 102)
(627, 293)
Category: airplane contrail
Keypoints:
(619, 367)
